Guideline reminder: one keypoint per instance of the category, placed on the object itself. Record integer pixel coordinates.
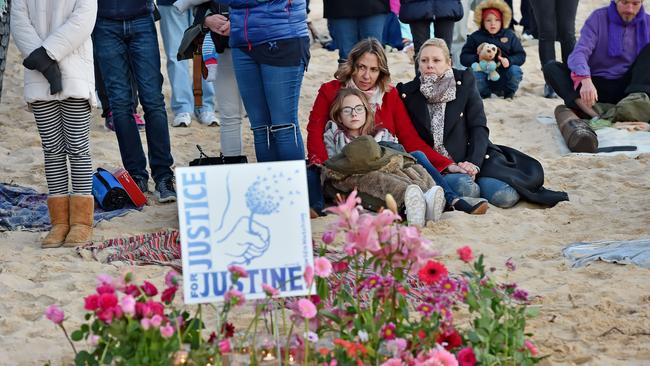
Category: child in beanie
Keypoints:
(210, 58)
(493, 18)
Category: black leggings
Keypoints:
(635, 80)
(421, 30)
(555, 21)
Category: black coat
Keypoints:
(505, 39)
(466, 138)
(333, 9)
(416, 10)
(466, 133)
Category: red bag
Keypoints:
(135, 194)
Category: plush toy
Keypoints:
(487, 52)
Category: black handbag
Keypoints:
(192, 40)
(204, 159)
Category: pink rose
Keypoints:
(149, 289)
(104, 279)
(156, 320)
(127, 304)
(105, 289)
(466, 357)
(224, 346)
(392, 362)
(132, 290)
(91, 302)
(168, 295)
(107, 301)
(146, 323)
(238, 271)
(322, 267)
(306, 308)
(55, 314)
(167, 331)
(309, 275)
(93, 340)
(465, 254)
(329, 236)
(234, 297)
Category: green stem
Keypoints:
(306, 340)
(200, 324)
(101, 360)
(68, 338)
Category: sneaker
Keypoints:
(165, 190)
(108, 122)
(182, 120)
(415, 205)
(435, 201)
(138, 121)
(549, 92)
(142, 183)
(208, 119)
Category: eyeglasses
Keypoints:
(358, 109)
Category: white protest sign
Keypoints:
(252, 215)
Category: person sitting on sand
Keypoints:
(609, 61)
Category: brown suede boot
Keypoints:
(81, 220)
(58, 206)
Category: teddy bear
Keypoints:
(487, 52)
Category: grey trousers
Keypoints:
(229, 106)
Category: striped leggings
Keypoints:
(64, 126)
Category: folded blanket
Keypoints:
(25, 209)
(621, 252)
(162, 248)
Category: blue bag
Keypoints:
(108, 192)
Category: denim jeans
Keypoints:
(172, 26)
(497, 192)
(507, 84)
(125, 48)
(450, 194)
(316, 199)
(348, 31)
(270, 95)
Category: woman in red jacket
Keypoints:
(366, 69)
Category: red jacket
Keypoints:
(392, 115)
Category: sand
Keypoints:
(598, 315)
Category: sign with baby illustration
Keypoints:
(251, 215)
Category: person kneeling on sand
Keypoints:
(610, 60)
(59, 90)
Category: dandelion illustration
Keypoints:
(260, 201)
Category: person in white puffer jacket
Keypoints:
(54, 39)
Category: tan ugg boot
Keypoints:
(58, 206)
(81, 220)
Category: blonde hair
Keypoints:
(435, 42)
(368, 127)
(349, 67)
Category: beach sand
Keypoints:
(598, 315)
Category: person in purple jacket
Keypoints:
(610, 60)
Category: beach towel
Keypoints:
(162, 248)
(622, 252)
(25, 209)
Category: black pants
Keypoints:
(528, 19)
(635, 80)
(555, 21)
(421, 30)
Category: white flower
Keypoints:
(363, 336)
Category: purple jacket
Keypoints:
(590, 58)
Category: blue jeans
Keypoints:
(450, 194)
(348, 31)
(270, 95)
(507, 84)
(125, 48)
(316, 199)
(172, 26)
(497, 192)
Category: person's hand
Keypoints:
(454, 168)
(588, 92)
(504, 62)
(470, 168)
(218, 24)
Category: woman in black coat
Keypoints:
(450, 118)
(419, 14)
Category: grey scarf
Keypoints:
(438, 90)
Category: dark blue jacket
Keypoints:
(505, 39)
(165, 2)
(253, 22)
(416, 10)
(334, 9)
(123, 9)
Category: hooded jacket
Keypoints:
(333, 9)
(416, 10)
(63, 28)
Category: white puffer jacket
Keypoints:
(63, 28)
